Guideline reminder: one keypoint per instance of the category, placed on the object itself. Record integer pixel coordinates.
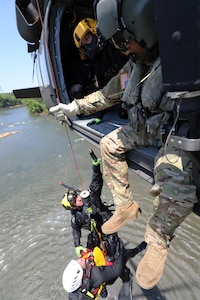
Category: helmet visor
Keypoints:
(119, 41)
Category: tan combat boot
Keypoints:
(151, 266)
(121, 216)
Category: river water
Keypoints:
(35, 234)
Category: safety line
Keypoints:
(74, 157)
(57, 93)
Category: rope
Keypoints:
(74, 157)
(57, 94)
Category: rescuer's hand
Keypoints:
(61, 111)
(79, 249)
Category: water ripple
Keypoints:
(35, 236)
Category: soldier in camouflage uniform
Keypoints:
(149, 110)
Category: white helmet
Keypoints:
(72, 276)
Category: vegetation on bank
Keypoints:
(34, 105)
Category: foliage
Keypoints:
(8, 99)
(33, 105)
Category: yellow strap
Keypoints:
(100, 289)
(99, 235)
(89, 294)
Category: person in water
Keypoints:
(88, 212)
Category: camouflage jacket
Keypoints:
(143, 98)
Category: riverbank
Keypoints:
(34, 105)
(45, 112)
(12, 106)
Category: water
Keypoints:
(35, 236)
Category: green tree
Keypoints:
(33, 105)
(8, 99)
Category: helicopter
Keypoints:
(47, 27)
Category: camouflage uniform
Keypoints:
(106, 97)
(148, 109)
(175, 193)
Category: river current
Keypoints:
(35, 233)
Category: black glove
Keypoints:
(142, 246)
(130, 253)
(126, 275)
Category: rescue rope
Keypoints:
(74, 157)
(57, 93)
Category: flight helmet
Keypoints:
(125, 20)
(72, 276)
(83, 27)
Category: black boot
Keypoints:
(126, 289)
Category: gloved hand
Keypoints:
(61, 111)
(94, 121)
(78, 250)
(97, 162)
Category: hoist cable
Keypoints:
(57, 93)
(74, 157)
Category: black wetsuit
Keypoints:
(115, 251)
(95, 276)
(107, 274)
(92, 209)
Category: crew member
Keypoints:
(97, 65)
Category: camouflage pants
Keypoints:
(113, 151)
(175, 192)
